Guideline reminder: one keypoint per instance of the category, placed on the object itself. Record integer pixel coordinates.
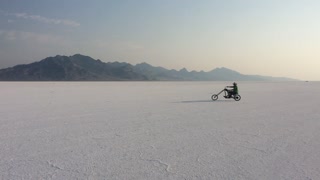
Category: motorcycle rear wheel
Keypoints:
(237, 97)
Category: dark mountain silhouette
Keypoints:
(84, 68)
(73, 68)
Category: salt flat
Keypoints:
(159, 130)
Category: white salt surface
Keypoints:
(159, 130)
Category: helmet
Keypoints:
(234, 83)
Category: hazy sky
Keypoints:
(267, 37)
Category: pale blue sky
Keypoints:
(274, 37)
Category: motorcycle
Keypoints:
(236, 97)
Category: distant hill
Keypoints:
(84, 68)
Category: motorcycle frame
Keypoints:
(223, 90)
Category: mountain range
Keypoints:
(84, 68)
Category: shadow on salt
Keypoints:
(204, 101)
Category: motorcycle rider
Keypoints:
(233, 90)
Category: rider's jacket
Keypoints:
(235, 89)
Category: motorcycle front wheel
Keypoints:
(214, 97)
